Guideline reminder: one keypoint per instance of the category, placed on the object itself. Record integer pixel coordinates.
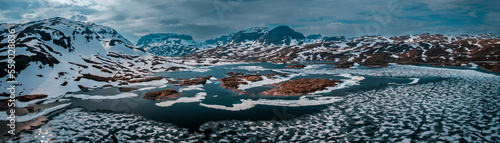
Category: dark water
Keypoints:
(192, 115)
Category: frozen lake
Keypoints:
(393, 104)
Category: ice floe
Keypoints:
(98, 97)
(249, 103)
(192, 87)
(414, 80)
(197, 98)
(251, 68)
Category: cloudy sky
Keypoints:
(205, 19)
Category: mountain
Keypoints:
(57, 55)
(314, 36)
(169, 44)
(222, 40)
(375, 51)
(242, 36)
(281, 35)
(251, 34)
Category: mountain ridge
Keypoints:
(70, 56)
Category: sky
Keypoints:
(206, 19)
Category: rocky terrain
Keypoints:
(235, 79)
(373, 51)
(300, 87)
(56, 56)
(295, 66)
(169, 44)
(162, 95)
(188, 82)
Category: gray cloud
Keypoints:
(205, 19)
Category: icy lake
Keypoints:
(396, 103)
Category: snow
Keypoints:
(192, 87)
(197, 98)
(249, 103)
(473, 65)
(414, 80)
(118, 96)
(265, 81)
(251, 68)
(31, 116)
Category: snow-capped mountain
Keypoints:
(219, 41)
(248, 35)
(57, 55)
(281, 35)
(169, 44)
(369, 50)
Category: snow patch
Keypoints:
(197, 98)
(99, 97)
(248, 103)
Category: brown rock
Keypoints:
(126, 89)
(175, 68)
(64, 83)
(494, 67)
(145, 79)
(83, 87)
(199, 80)
(378, 60)
(343, 65)
(162, 95)
(27, 98)
(295, 66)
(236, 79)
(97, 78)
(252, 78)
(300, 87)
(231, 82)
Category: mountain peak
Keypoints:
(168, 44)
(159, 37)
(281, 35)
(250, 34)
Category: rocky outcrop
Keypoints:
(300, 87)
(231, 83)
(27, 98)
(236, 79)
(175, 68)
(24, 98)
(343, 65)
(126, 89)
(494, 67)
(295, 66)
(162, 95)
(371, 51)
(198, 80)
(145, 79)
